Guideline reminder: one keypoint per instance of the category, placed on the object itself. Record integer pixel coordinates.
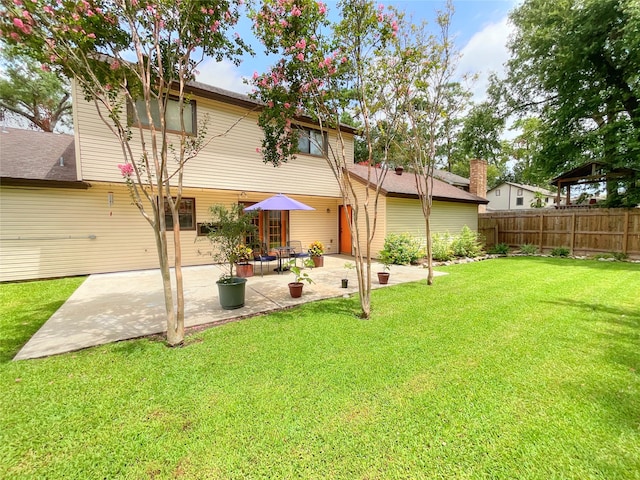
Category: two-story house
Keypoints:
(515, 196)
(66, 210)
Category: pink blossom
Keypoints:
(18, 23)
(255, 75)
(91, 35)
(343, 60)
(287, 105)
(270, 104)
(126, 170)
(258, 150)
(45, 68)
(300, 57)
(48, 9)
(322, 8)
(115, 65)
(295, 11)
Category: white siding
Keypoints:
(229, 161)
(46, 231)
(504, 197)
(405, 215)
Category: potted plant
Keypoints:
(385, 259)
(228, 229)
(316, 250)
(295, 287)
(347, 266)
(243, 254)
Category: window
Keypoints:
(186, 214)
(172, 116)
(546, 199)
(312, 142)
(497, 192)
(519, 201)
(519, 192)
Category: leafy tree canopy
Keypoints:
(33, 93)
(575, 63)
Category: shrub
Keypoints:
(560, 252)
(467, 244)
(402, 249)
(499, 249)
(528, 249)
(441, 249)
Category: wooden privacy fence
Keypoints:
(583, 231)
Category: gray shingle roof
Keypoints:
(405, 186)
(34, 155)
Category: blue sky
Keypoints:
(480, 28)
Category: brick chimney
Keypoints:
(478, 180)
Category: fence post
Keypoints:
(625, 232)
(573, 232)
(540, 231)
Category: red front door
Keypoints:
(345, 229)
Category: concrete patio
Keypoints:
(119, 306)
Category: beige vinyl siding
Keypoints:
(381, 223)
(319, 224)
(405, 215)
(46, 231)
(229, 161)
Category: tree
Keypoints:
(133, 60)
(575, 64)
(424, 77)
(525, 149)
(326, 69)
(32, 92)
(456, 100)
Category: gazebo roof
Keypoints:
(592, 172)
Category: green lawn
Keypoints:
(510, 368)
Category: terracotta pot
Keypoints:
(244, 270)
(295, 289)
(318, 261)
(383, 278)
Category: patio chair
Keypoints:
(263, 256)
(296, 251)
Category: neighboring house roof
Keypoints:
(530, 188)
(404, 186)
(451, 178)
(29, 157)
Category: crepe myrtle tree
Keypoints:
(326, 70)
(132, 59)
(426, 67)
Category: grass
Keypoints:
(512, 368)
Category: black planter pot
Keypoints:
(345, 283)
(231, 293)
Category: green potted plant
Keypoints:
(295, 287)
(385, 259)
(316, 252)
(229, 227)
(243, 254)
(348, 266)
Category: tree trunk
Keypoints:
(175, 330)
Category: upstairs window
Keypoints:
(497, 192)
(312, 142)
(172, 117)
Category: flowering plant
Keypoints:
(316, 249)
(242, 253)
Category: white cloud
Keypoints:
(485, 53)
(222, 74)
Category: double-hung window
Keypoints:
(312, 142)
(186, 214)
(172, 116)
